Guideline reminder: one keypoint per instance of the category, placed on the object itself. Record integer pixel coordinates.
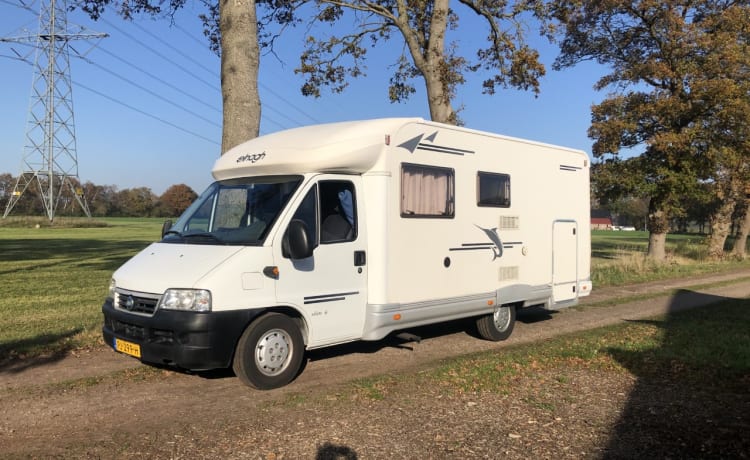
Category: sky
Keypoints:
(147, 98)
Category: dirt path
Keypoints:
(111, 413)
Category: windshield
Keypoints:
(236, 211)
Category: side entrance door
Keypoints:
(330, 287)
(564, 260)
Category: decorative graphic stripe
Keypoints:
(482, 246)
(570, 168)
(472, 248)
(442, 149)
(328, 297)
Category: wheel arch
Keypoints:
(296, 315)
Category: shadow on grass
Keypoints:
(89, 253)
(12, 358)
(691, 399)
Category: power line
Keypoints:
(128, 106)
(212, 72)
(266, 107)
(151, 49)
(22, 6)
(116, 101)
(161, 120)
(160, 80)
(162, 56)
(153, 93)
(188, 34)
(260, 84)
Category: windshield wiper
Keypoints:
(201, 235)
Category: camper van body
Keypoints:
(443, 223)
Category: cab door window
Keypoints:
(338, 221)
(329, 212)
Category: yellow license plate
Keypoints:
(129, 348)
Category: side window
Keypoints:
(427, 191)
(493, 190)
(338, 218)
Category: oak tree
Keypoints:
(176, 199)
(665, 59)
(418, 33)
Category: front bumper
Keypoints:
(188, 340)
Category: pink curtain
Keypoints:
(426, 191)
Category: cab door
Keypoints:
(329, 287)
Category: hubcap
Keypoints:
(501, 317)
(273, 351)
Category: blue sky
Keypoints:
(168, 72)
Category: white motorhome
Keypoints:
(327, 234)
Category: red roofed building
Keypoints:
(600, 220)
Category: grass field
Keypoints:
(54, 278)
(54, 281)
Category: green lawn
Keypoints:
(54, 278)
(54, 281)
(619, 258)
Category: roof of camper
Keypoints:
(345, 147)
(352, 146)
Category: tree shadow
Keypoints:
(691, 398)
(14, 364)
(329, 451)
(88, 253)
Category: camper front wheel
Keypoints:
(269, 353)
(499, 325)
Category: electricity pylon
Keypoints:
(49, 159)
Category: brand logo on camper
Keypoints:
(129, 303)
(251, 158)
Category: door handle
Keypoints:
(360, 258)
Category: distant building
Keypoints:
(601, 219)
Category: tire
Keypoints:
(269, 353)
(499, 325)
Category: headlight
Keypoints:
(186, 299)
(112, 286)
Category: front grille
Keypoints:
(128, 330)
(138, 303)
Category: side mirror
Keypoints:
(297, 240)
(165, 227)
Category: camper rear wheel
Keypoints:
(499, 325)
(269, 353)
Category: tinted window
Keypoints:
(493, 189)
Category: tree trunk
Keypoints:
(428, 55)
(721, 223)
(440, 106)
(740, 244)
(658, 226)
(239, 72)
(657, 246)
